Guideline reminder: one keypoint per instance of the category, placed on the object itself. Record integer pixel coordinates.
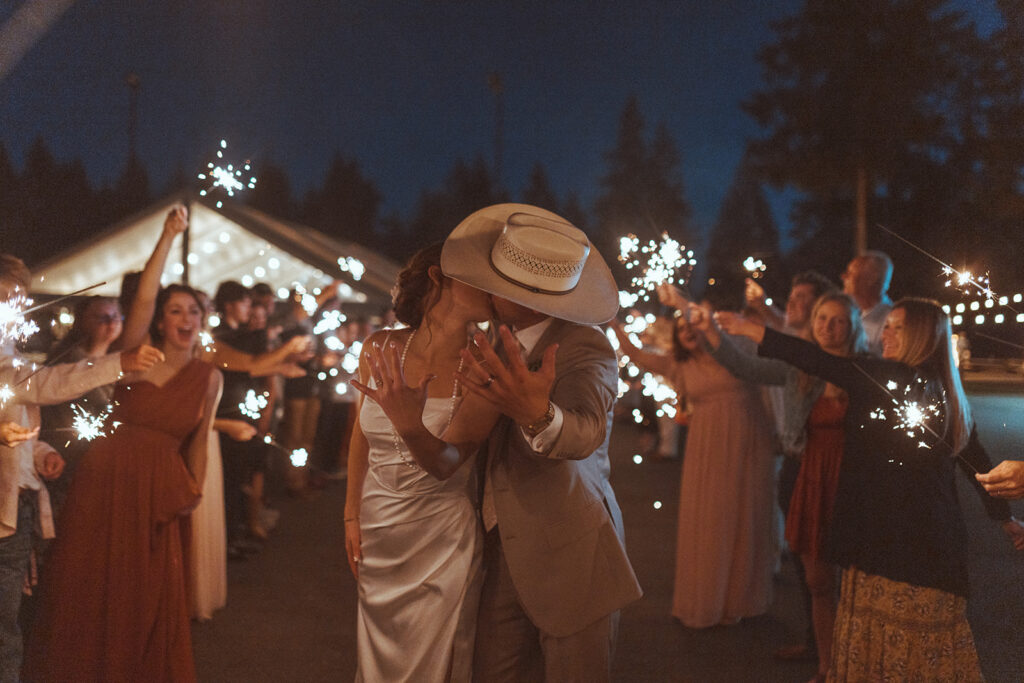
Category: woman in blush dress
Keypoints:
(114, 604)
(724, 543)
(412, 534)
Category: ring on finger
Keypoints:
(488, 382)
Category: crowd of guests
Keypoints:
(480, 524)
(142, 542)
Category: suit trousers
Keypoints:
(510, 648)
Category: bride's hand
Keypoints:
(353, 545)
(403, 404)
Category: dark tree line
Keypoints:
(891, 112)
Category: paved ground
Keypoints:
(291, 610)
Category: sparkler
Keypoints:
(352, 265)
(754, 266)
(330, 321)
(88, 426)
(6, 394)
(228, 177)
(298, 457)
(656, 263)
(13, 325)
(963, 280)
(253, 404)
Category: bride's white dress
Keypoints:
(420, 576)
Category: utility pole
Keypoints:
(498, 88)
(133, 82)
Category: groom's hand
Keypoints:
(511, 387)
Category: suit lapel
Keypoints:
(550, 336)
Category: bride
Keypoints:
(412, 535)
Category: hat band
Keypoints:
(528, 288)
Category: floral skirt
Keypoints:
(893, 631)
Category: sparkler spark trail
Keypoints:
(656, 263)
(88, 426)
(755, 267)
(13, 325)
(6, 394)
(253, 404)
(962, 280)
(228, 177)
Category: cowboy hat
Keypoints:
(535, 258)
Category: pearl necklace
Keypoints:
(397, 440)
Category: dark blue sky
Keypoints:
(400, 86)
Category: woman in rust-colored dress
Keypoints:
(114, 604)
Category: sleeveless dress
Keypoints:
(420, 576)
(726, 538)
(114, 604)
(815, 489)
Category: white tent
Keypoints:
(230, 242)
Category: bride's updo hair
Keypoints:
(414, 292)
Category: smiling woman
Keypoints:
(119, 560)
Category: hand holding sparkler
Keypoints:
(12, 434)
(141, 358)
(754, 294)
(176, 221)
(736, 324)
(671, 295)
(1005, 480)
(237, 430)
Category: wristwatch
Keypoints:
(539, 425)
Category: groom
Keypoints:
(556, 568)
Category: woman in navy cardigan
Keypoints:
(896, 528)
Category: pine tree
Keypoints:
(745, 227)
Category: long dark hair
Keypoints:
(161, 301)
(76, 336)
(414, 292)
(928, 344)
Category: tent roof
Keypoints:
(227, 242)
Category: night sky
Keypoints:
(400, 86)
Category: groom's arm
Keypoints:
(583, 394)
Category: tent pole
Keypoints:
(184, 248)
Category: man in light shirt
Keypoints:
(867, 279)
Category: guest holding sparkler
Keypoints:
(24, 461)
(896, 525)
(1005, 480)
(813, 413)
(98, 323)
(114, 606)
(724, 553)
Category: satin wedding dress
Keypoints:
(420, 576)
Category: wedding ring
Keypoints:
(489, 382)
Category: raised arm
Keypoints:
(136, 323)
(745, 366)
(654, 362)
(754, 295)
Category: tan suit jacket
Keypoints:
(560, 525)
(51, 385)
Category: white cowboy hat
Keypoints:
(534, 258)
